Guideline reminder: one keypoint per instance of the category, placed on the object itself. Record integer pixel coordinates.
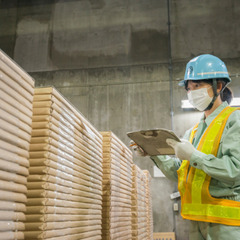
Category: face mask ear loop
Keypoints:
(221, 92)
(214, 86)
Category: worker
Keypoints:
(207, 160)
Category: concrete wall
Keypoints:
(110, 59)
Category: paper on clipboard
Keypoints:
(153, 141)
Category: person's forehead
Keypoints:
(190, 82)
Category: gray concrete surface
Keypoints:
(110, 59)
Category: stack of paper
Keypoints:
(117, 187)
(16, 95)
(149, 205)
(65, 181)
(139, 207)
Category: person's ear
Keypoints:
(219, 86)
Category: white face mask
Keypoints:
(199, 98)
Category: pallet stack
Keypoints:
(65, 182)
(117, 188)
(16, 95)
(149, 206)
(139, 206)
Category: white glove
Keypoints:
(183, 150)
(138, 151)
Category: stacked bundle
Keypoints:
(16, 95)
(65, 181)
(139, 207)
(149, 205)
(117, 187)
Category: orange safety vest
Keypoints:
(196, 202)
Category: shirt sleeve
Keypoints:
(169, 165)
(226, 166)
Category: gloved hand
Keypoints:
(183, 150)
(137, 149)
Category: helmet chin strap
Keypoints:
(214, 86)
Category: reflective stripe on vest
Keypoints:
(196, 202)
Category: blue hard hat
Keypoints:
(205, 66)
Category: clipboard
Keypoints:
(153, 141)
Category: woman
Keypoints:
(207, 166)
